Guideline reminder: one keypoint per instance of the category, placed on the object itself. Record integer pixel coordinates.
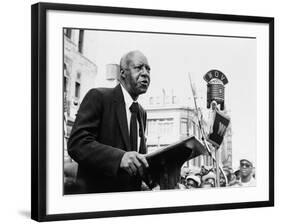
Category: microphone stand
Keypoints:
(204, 138)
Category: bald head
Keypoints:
(131, 56)
(134, 73)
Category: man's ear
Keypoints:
(122, 73)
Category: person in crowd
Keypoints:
(232, 181)
(246, 172)
(184, 172)
(208, 180)
(231, 178)
(193, 181)
(237, 174)
(226, 177)
(203, 170)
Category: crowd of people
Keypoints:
(205, 177)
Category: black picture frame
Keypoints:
(39, 114)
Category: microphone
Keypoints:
(215, 87)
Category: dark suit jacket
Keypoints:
(99, 139)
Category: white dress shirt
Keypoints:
(250, 183)
(128, 102)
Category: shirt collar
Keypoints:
(127, 98)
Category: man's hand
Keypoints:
(133, 162)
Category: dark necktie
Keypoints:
(134, 108)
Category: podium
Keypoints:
(165, 163)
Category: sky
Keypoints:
(172, 57)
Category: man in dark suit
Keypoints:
(107, 140)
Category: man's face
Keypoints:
(245, 168)
(137, 74)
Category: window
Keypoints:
(80, 41)
(77, 89)
(65, 78)
(65, 84)
(68, 32)
(160, 127)
(183, 126)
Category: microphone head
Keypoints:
(215, 88)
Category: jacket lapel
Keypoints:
(121, 115)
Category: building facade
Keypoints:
(169, 122)
(79, 71)
(79, 74)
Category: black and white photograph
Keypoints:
(194, 122)
(143, 112)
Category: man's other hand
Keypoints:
(133, 163)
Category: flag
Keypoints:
(219, 128)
